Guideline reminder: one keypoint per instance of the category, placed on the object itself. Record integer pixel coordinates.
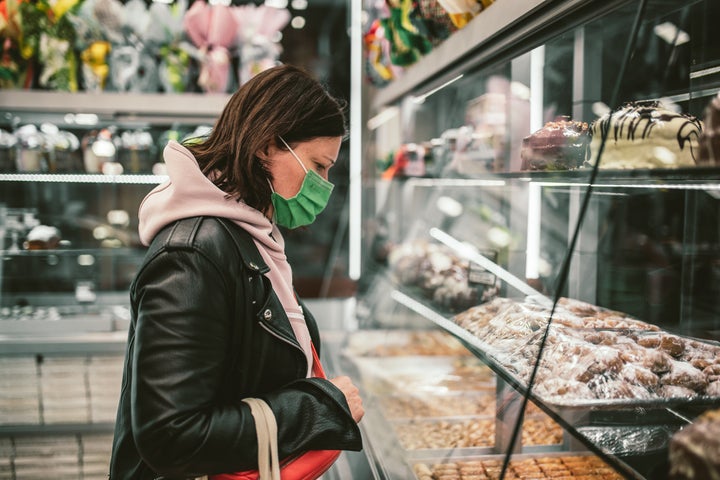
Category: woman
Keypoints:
(215, 317)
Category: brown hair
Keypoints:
(283, 101)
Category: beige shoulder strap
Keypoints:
(266, 429)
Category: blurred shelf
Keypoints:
(100, 343)
(56, 429)
(112, 252)
(496, 32)
(131, 109)
(136, 179)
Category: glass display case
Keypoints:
(74, 170)
(542, 189)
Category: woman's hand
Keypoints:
(352, 395)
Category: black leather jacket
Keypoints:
(208, 330)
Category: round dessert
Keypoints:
(694, 451)
(710, 137)
(646, 135)
(559, 145)
(43, 237)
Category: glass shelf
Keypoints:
(137, 179)
(100, 251)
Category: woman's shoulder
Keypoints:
(198, 246)
(217, 238)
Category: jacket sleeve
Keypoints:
(180, 355)
(312, 417)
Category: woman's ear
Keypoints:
(262, 154)
(268, 151)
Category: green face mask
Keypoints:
(302, 209)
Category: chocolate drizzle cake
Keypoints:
(646, 135)
(710, 137)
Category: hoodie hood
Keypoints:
(189, 193)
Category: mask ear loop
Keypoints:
(293, 153)
(296, 158)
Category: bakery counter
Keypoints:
(618, 387)
(427, 396)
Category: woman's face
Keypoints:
(318, 154)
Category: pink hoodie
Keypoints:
(189, 193)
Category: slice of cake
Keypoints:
(646, 135)
(559, 145)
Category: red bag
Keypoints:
(306, 466)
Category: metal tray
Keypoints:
(630, 439)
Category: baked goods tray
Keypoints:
(470, 435)
(542, 465)
(429, 375)
(403, 343)
(557, 404)
(413, 405)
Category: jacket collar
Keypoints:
(251, 256)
